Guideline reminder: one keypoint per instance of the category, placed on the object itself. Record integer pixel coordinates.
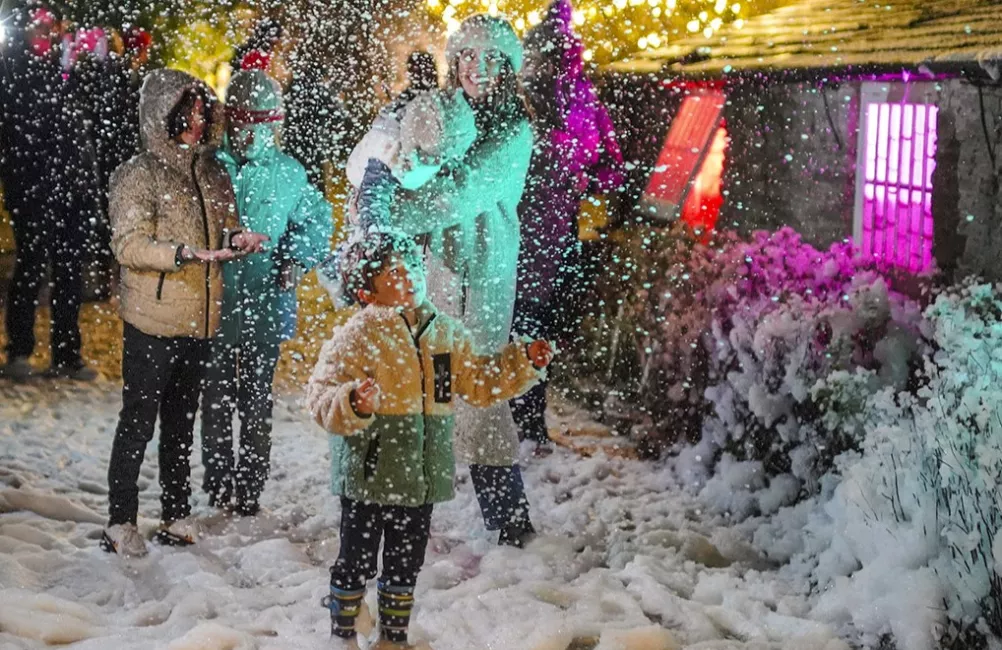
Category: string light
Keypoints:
(615, 29)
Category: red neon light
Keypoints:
(684, 151)
(702, 205)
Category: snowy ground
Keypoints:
(626, 561)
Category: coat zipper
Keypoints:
(424, 393)
(160, 285)
(205, 231)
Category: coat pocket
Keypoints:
(371, 459)
(443, 377)
(160, 285)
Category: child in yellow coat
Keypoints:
(385, 385)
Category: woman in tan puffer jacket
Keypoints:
(174, 221)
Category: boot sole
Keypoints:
(167, 538)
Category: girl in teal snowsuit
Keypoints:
(259, 300)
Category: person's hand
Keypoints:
(221, 255)
(288, 275)
(540, 353)
(365, 398)
(249, 242)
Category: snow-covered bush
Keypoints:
(795, 315)
(915, 516)
(963, 422)
(723, 340)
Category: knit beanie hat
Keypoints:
(439, 125)
(484, 31)
(361, 256)
(254, 98)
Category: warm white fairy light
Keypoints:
(611, 29)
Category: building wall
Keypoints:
(793, 152)
(791, 159)
(967, 204)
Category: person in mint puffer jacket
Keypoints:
(259, 300)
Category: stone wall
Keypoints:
(967, 205)
(791, 159)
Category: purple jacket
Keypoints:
(580, 157)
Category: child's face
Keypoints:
(396, 285)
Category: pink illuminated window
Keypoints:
(896, 211)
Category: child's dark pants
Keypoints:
(404, 532)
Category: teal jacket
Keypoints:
(273, 197)
(402, 454)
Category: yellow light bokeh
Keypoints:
(614, 29)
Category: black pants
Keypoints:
(404, 532)
(529, 410)
(238, 378)
(160, 375)
(501, 495)
(44, 236)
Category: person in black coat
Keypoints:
(48, 180)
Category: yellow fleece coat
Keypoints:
(403, 453)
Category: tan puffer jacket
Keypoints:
(165, 197)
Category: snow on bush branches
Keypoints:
(916, 513)
(729, 338)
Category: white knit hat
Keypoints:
(483, 31)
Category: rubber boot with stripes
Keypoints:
(344, 607)
(395, 605)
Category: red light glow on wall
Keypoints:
(685, 182)
(900, 158)
(702, 205)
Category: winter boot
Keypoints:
(17, 368)
(77, 371)
(385, 644)
(395, 605)
(183, 532)
(517, 534)
(340, 643)
(345, 607)
(123, 539)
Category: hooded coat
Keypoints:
(273, 197)
(166, 197)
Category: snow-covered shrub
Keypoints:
(723, 340)
(794, 316)
(916, 514)
(963, 402)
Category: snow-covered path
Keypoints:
(626, 561)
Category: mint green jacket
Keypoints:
(273, 197)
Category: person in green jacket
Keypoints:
(386, 386)
(259, 298)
